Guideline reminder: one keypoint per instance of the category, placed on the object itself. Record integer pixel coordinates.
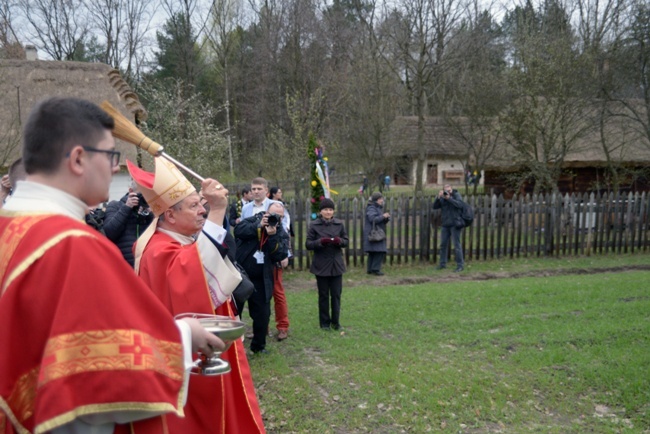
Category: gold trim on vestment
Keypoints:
(23, 395)
(241, 378)
(109, 350)
(10, 415)
(62, 419)
(13, 235)
(40, 251)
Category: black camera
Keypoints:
(273, 219)
(445, 193)
(142, 208)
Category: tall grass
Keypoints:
(566, 354)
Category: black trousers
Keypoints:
(329, 289)
(260, 311)
(375, 260)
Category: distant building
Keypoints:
(23, 83)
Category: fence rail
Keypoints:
(526, 226)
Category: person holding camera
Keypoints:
(262, 242)
(450, 203)
(261, 202)
(327, 237)
(126, 219)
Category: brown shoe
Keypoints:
(282, 335)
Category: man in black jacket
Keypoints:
(260, 245)
(125, 220)
(451, 204)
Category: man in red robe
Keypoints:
(182, 258)
(85, 346)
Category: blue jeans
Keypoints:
(453, 233)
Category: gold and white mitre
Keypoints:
(162, 189)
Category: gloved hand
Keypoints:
(336, 241)
(325, 241)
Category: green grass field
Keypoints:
(546, 354)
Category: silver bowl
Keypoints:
(226, 329)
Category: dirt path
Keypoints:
(303, 280)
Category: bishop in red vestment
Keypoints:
(180, 270)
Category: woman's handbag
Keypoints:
(376, 234)
(245, 288)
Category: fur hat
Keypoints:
(376, 196)
(326, 203)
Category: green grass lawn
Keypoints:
(546, 354)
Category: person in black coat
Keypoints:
(377, 249)
(450, 203)
(125, 220)
(326, 237)
(260, 246)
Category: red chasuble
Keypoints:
(216, 404)
(80, 334)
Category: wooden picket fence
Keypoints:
(536, 225)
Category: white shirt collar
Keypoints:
(184, 240)
(40, 198)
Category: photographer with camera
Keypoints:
(261, 202)
(126, 219)
(450, 203)
(262, 242)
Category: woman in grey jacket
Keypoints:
(376, 250)
(326, 237)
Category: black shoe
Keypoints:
(325, 328)
(263, 351)
(441, 267)
(378, 273)
(458, 269)
(336, 326)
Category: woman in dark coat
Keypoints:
(376, 250)
(326, 237)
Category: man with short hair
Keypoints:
(450, 203)
(86, 344)
(261, 245)
(261, 203)
(182, 257)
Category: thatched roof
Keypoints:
(626, 144)
(439, 139)
(23, 83)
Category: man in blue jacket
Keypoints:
(450, 203)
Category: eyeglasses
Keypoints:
(114, 156)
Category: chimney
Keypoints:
(30, 52)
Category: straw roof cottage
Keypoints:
(23, 83)
(445, 156)
(584, 168)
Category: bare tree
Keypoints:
(549, 113)
(122, 26)
(58, 27)
(422, 31)
(224, 38)
(10, 47)
(477, 88)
